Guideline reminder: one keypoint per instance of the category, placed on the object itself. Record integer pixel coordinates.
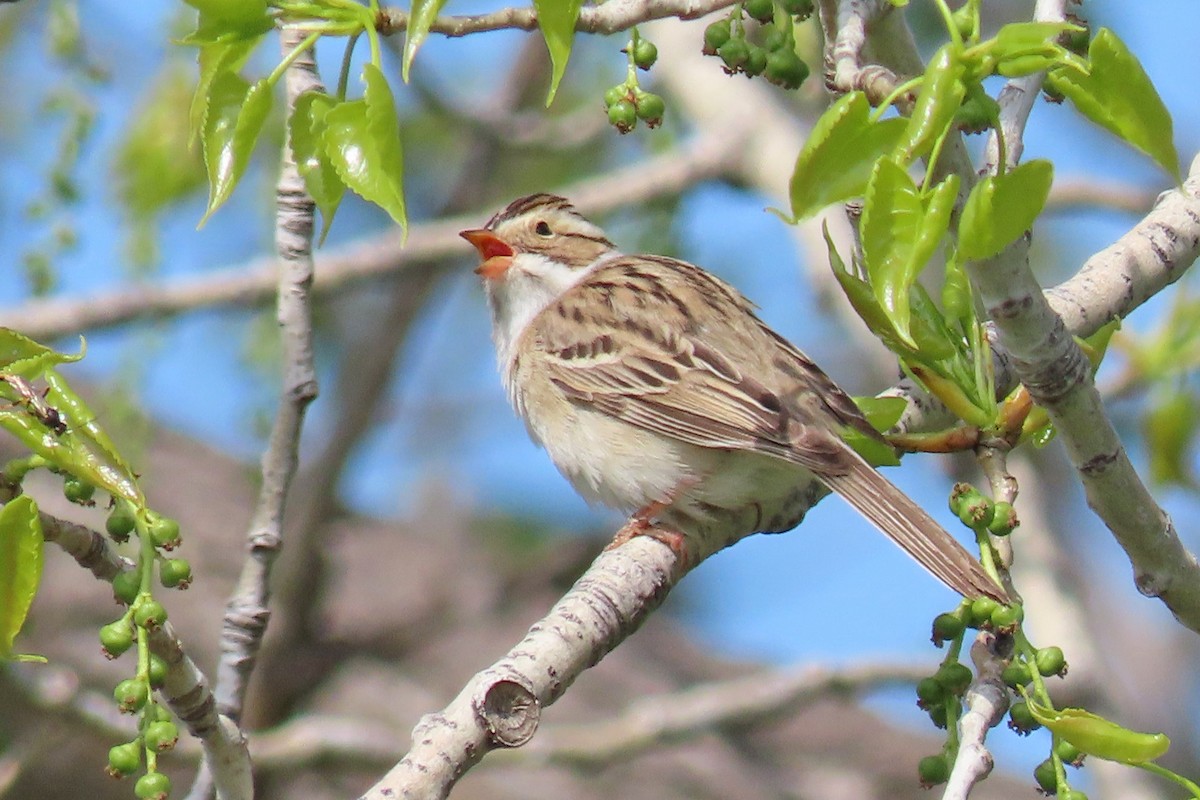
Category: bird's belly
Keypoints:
(700, 489)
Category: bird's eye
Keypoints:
(542, 228)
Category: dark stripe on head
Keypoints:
(524, 204)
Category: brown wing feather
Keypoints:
(666, 372)
(680, 383)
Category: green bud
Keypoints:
(786, 69)
(131, 695)
(933, 770)
(623, 116)
(1004, 519)
(1020, 719)
(124, 759)
(78, 491)
(1069, 753)
(120, 522)
(1046, 776)
(715, 35)
(158, 671)
(756, 61)
(116, 638)
(734, 53)
(164, 532)
(650, 107)
(1007, 618)
(955, 677)
(161, 736)
(615, 94)
(645, 54)
(126, 586)
(801, 9)
(981, 611)
(175, 572)
(1050, 661)
(946, 627)
(1016, 674)
(149, 614)
(761, 10)
(930, 691)
(153, 786)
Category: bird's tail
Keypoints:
(907, 524)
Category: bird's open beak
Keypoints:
(497, 256)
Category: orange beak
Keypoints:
(497, 256)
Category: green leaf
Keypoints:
(1028, 38)
(307, 127)
(958, 302)
(942, 93)
(229, 21)
(20, 566)
(1099, 737)
(93, 454)
(420, 18)
(1118, 95)
(557, 19)
(859, 293)
(882, 412)
(935, 341)
(215, 61)
(901, 230)
(20, 355)
(236, 113)
(1170, 427)
(362, 142)
(876, 453)
(892, 213)
(1001, 208)
(839, 155)
(153, 164)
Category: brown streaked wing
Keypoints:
(644, 360)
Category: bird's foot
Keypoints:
(641, 524)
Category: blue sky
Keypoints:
(813, 594)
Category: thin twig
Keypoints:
(610, 17)
(247, 613)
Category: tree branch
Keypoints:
(1054, 369)
(248, 611)
(501, 706)
(710, 155)
(609, 17)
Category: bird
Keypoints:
(656, 390)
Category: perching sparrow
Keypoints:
(657, 390)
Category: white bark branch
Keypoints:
(1056, 372)
(985, 704)
(248, 610)
(609, 17)
(501, 706)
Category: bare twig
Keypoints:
(247, 612)
(845, 71)
(610, 17)
(985, 701)
(748, 700)
(691, 712)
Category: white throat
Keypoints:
(531, 284)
